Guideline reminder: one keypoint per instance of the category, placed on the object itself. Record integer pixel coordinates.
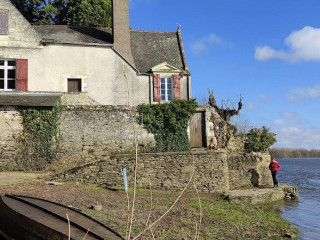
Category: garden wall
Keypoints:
(87, 133)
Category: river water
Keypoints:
(304, 213)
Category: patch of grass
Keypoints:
(244, 219)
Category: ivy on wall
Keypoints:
(169, 123)
(39, 139)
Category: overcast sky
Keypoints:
(266, 50)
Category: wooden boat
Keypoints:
(23, 217)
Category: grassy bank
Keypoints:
(220, 219)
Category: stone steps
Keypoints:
(263, 195)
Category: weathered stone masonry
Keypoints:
(173, 170)
(88, 133)
(92, 132)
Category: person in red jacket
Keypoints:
(274, 168)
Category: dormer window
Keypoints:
(4, 22)
(7, 75)
(166, 82)
(166, 89)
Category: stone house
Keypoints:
(89, 66)
(97, 72)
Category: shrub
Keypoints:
(259, 139)
(169, 123)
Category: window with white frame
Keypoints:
(166, 89)
(7, 75)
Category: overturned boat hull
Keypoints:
(23, 217)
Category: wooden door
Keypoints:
(197, 130)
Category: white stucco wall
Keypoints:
(105, 76)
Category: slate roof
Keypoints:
(152, 48)
(148, 48)
(70, 34)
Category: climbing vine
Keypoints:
(169, 123)
(39, 139)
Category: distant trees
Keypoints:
(86, 13)
(294, 153)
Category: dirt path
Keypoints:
(7, 178)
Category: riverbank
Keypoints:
(220, 219)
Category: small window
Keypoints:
(4, 22)
(74, 85)
(166, 89)
(7, 75)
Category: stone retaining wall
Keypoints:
(173, 170)
(247, 170)
(165, 170)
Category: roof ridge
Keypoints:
(151, 31)
(67, 26)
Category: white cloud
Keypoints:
(288, 118)
(303, 44)
(262, 96)
(279, 122)
(296, 94)
(204, 43)
(266, 53)
(289, 114)
(294, 99)
(313, 92)
(298, 138)
(292, 118)
(250, 106)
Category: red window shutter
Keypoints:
(156, 88)
(22, 75)
(176, 86)
(4, 22)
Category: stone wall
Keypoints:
(88, 133)
(214, 171)
(165, 170)
(247, 170)
(10, 127)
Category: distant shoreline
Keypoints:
(294, 153)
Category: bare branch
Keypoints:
(136, 160)
(175, 202)
(200, 211)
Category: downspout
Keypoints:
(150, 89)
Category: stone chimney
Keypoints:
(121, 30)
